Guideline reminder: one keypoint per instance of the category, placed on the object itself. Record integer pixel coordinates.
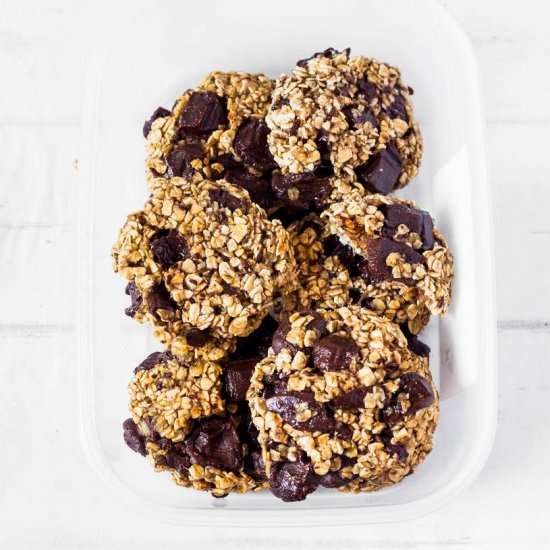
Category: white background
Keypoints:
(50, 497)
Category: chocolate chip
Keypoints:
(293, 481)
(275, 384)
(136, 298)
(303, 191)
(393, 448)
(333, 480)
(414, 344)
(169, 248)
(334, 353)
(153, 360)
(318, 323)
(329, 52)
(197, 338)
(251, 145)
(381, 172)
(355, 117)
(419, 391)
(160, 112)
(227, 161)
(366, 88)
(214, 442)
(259, 189)
(418, 221)
(176, 458)
(397, 108)
(179, 160)
(226, 200)
(133, 437)
(285, 406)
(393, 413)
(378, 249)
(236, 377)
(279, 341)
(254, 466)
(203, 113)
(257, 343)
(159, 298)
(334, 247)
(353, 399)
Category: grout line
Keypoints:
(523, 324)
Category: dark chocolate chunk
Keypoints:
(159, 298)
(254, 466)
(251, 145)
(169, 248)
(236, 377)
(133, 437)
(344, 431)
(160, 112)
(318, 323)
(334, 247)
(259, 189)
(366, 88)
(334, 353)
(303, 191)
(281, 102)
(293, 481)
(378, 249)
(176, 457)
(153, 360)
(179, 160)
(353, 399)
(257, 343)
(287, 216)
(418, 221)
(355, 117)
(397, 108)
(333, 480)
(393, 448)
(227, 161)
(323, 143)
(136, 298)
(214, 442)
(275, 384)
(393, 413)
(203, 113)
(381, 172)
(419, 391)
(285, 406)
(226, 200)
(279, 341)
(324, 169)
(198, 338)
(329, 52)
(415, 345)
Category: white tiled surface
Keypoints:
(49, 496)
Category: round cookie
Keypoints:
(339, 122)
(341, 402)
(400, 264)
(190, 417)
(202, 256)
(216, 129)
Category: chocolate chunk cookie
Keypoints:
(341, 402)
(203, 262)
(400, 264)
(216, 130)
(191, 417)
(347, 121)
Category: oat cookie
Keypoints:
(216, 129)
(341, 402)
(339, 122)
(400, 264)
(203, 261)
(191, 418)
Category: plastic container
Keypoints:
(166, 49)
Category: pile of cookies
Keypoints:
(286, 283)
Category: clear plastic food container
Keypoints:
(167, 48)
